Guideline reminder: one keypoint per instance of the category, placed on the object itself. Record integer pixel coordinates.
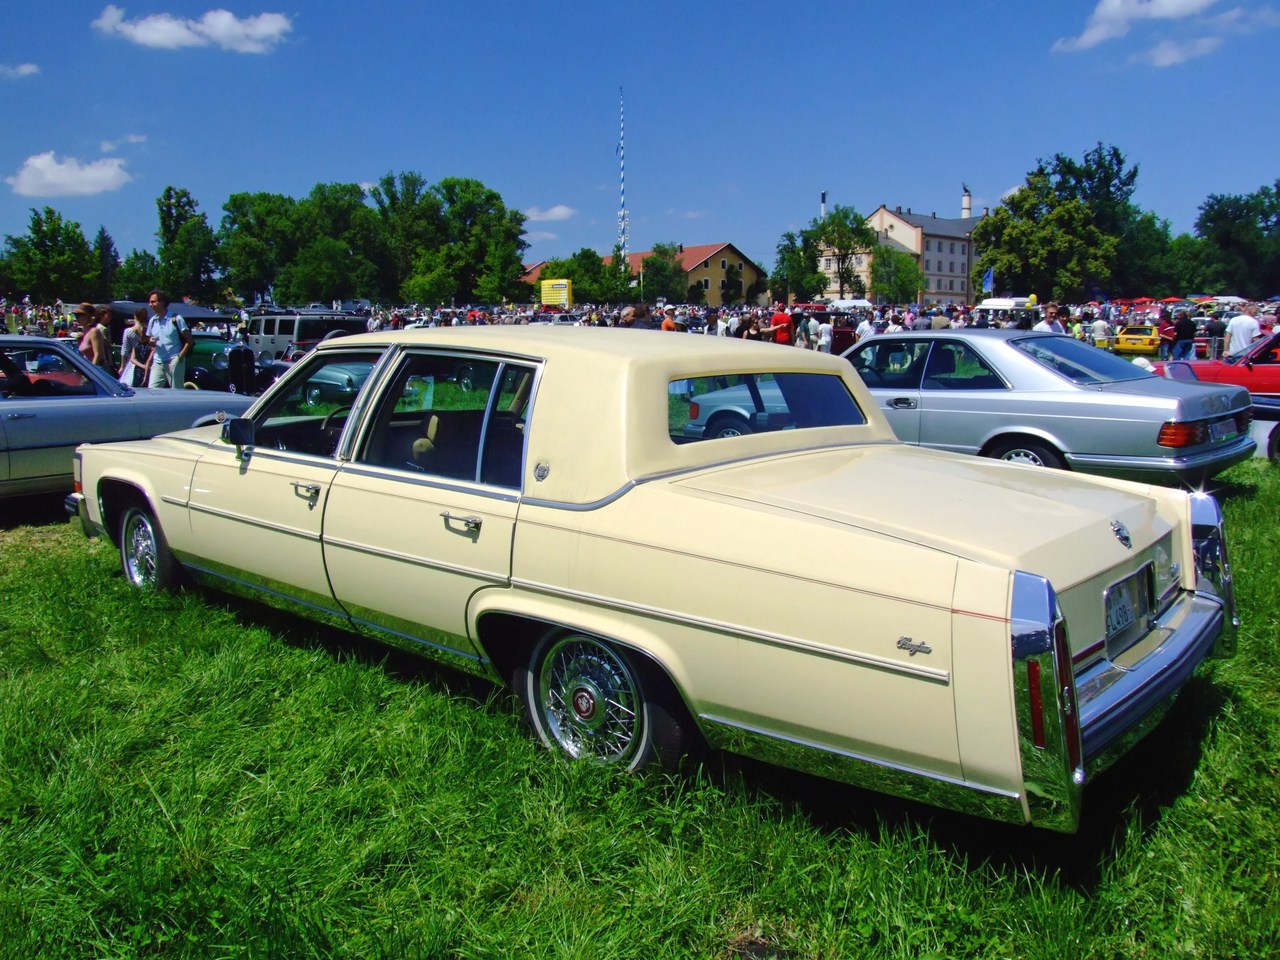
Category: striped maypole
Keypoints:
(624, 225)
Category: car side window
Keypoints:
(889, 362)
(460, 418)
(956, 366)
(41, 372)
(309, 416)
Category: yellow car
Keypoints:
(1143, 339)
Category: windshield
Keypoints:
(1078, 361)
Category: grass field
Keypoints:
(186, 776)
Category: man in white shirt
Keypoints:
(170, 343)
(1243, 329)
(865, 329)
(1050, 323)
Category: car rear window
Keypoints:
(715, 407)
(1079, 362)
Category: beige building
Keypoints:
(942, 246)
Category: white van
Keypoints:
(273, 336)
(1008, 312)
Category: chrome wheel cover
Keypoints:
(589, 701)
(1023, 455)
(138, 549)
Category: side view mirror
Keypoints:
(238, 431)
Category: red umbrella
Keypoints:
(1171, 300)
(1143, 300)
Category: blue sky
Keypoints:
(738, 115)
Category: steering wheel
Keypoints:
(331, 416)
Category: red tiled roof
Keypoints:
(690, 258)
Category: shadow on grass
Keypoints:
(1141, 785)
(35, 510)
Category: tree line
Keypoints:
(402, 240)
(1070, 232)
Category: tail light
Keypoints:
(1183, 434)
(694, 411)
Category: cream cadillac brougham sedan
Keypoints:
(526, 503)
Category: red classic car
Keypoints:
(1257, 369)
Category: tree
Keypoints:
(107, 262)
(412, 221)
(896, 276)
(138, 274)
(796, 276)
(340, 250)
(662, 274)
(1036, 242)
(1242, 241)
(187, 262)
(732, 292)
(257, 236)
(175, 207)
(53, 261)
(617, 282)
(477, 256)
(845, 233)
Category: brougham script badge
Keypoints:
(912, 648)
(1122, 534)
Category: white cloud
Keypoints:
(21, 70)
(44, 175)
(1111, 19)
(109, 146)
(1170, 53)
(217, 27)
(559, 212)
(537, 236)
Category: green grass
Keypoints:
(186, 776)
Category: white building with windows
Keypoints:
(942, 246)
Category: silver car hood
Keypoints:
(1052, 522)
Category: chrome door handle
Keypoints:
(471, 523)
(309, 490)
(903, 403)
(20, 416)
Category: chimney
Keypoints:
(898, 209)
(986, 211)
(966, 205)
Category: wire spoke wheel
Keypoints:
(144, 555)
(587, 701)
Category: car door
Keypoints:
(50, 407)
(257, 513)
(892, 368)
(962, 398)
(424, 514)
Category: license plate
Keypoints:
(1222, 429)
(1126, 603)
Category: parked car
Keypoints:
(1050, 400)
(978, 634)
(218, 362)
(1257, 369)
(51, 400)
(1138, 339)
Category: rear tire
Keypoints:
(144, 552)
(589, 699)
(727, 425)
(1034, 453)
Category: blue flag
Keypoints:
(989, 280)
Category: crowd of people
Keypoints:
(152, 349)
(156, 340)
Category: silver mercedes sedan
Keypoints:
(1051, 400)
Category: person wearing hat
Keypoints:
(94, 345)
(669, 318)
(170, 343)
